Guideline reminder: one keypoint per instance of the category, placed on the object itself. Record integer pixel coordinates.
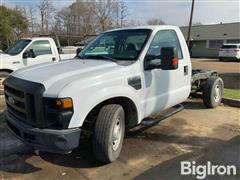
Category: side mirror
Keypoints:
(78, 50)
(152, 62)
(25, 55)
(32, 53)
(169, 58)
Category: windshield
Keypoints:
(117, 45)
(17, 47)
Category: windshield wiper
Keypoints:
(105, 58)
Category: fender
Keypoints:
(6, 70)
(10, 64)
(85, 102)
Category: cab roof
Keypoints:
(37, 38)
(154, 27)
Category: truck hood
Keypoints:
(3, 56)
(65, 72)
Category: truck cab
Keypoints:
(117, 81)
(28, 52)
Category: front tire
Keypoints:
(213, 92)
(3, 76)
(109, 133)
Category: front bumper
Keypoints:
(57, 141)
(229, 58)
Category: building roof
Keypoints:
(214, 31)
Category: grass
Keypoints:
(232, 93)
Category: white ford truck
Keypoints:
(27, 52)
(116, 82)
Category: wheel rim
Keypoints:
(217, 93)
(1, 83)
(117, 134)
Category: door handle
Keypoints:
(53, 59)
(185, 70)
(16, 62)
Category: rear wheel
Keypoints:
(213, 92)
(109, 133)
(3, 76)
(220, 59)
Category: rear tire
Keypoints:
(109, 133)
(3, 76)
(220, 59)
(213, 92)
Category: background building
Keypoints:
(207, 39)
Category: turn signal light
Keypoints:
(175, 61)
(65, 103)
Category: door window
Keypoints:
(41, 47)
(164, 38)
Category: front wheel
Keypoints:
(109, 133)
(213, 92)
(3, 76)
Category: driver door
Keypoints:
(165, 88)
(39, 52)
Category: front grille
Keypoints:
(14, 91)
(24, 100)
(16, 102)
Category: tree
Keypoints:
(104, 10)
(90, 17)
(123, 9)
(12, 25)
(155, 21)
(46, 9)
(31, 18)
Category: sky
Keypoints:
(174, 12)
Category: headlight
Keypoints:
(58, 112)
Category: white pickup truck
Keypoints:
(27, 52)
(116, 82)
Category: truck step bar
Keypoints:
(151, 122)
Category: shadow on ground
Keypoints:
(13, 153)
(225, 153)
(198, 104)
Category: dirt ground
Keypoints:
(195, 134)
(215, 64)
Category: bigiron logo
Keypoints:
(202, 171)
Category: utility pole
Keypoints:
(190, 24)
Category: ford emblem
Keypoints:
(11, 100)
